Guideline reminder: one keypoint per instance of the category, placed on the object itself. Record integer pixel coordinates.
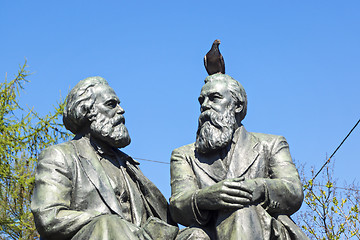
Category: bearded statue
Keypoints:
(87, 188)
(231, 183)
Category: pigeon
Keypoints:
(213, 60)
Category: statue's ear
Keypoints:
(89, 114)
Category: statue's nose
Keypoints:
(120, 110)
(205, 105)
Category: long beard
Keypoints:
(215, 130)
(110, 130)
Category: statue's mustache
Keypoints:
(213, 117)
(119, 119)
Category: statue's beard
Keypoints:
(215, 130)
(110, 130)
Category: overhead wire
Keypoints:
(335, 151)
(148, 160)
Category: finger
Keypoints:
(232, 205)
(237, 185)
(234, 200)
(236, 179)
(238, 193)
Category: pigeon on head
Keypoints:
(213, 60)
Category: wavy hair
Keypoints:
(79, 103)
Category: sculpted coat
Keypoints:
(261, 157)
(72, 189)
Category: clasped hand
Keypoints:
(230, 193)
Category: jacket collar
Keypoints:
(244, 154)
(95, 172)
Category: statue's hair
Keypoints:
(236, 89)
(79, 103)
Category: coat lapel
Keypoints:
(245, 154)
(154, 201)
(96, 174)
(212, 165)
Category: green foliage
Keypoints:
(23, 135)
(331, 212)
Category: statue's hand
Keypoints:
(229, 193)
(257, 190)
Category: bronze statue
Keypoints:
(230, 183)
(87, 188)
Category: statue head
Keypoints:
(93, 107)
(223, 104)
(235, 88)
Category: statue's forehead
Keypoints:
(104, 92)
(214, 86)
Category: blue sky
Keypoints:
(298, 61)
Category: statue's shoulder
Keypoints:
(185, 150)
(64, 148)
(267, 138)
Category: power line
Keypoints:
(335, 151)
(148, 160)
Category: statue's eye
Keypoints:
(111, 103)
(215, 97)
